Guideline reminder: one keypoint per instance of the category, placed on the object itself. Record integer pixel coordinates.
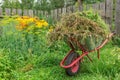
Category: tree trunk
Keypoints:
(117, 20)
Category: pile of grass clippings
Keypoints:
(86, 27)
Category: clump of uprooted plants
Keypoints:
(87, 27)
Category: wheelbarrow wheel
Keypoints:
(75, 68)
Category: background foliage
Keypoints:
(42, 4)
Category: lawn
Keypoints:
(106, 68)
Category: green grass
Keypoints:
(46, 67)
(17, 62)
(106, 68)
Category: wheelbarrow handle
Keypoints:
(111, 34)
(106, 40)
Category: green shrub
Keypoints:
(116, 40)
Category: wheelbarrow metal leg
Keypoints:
(98, 54)
(89, 58)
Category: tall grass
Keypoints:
(21, 41)
(21, 46)
(26, 56)
(107, 65)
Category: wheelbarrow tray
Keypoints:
(88, 44)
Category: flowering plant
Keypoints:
(31, 25)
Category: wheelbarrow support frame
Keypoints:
(84, 52)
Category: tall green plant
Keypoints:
(24, 41)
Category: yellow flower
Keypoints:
(25, 22)
(25, 17)
(42, 21)
(45, 24)
(50, 30)
(31, 20)
(39, 25)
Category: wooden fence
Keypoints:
(105, 9)
(117, 17)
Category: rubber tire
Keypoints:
(68, 61)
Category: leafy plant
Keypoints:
(23, 35)
(6, 66)
(116, 40)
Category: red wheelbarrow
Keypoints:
(72, 60)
